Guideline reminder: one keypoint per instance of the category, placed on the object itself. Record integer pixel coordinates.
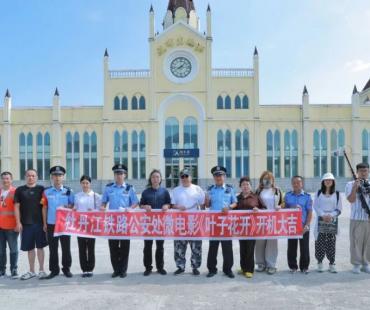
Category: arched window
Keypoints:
(142, 103)
(316, 154)
(116, 103)
(238, 102)
(22, 155)
(134, 103)
(124, 103)
(245, 104)
(273, 152)
(242, 153)
(43, 155)
(227, 103)
(120, 149)
(324, 152)
(224, 150)
(334, 151)
(172, 133)
(73, 155)
(190, 133)
(290, 153)
(172, 137)
(134, 149)
(320, 152)
(138, 155)
(337, 157)
(94, 156)
(90, 155)
(270, 150)
(142, 148)
(365, 146)
(220, 103)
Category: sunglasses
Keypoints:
(184, 176)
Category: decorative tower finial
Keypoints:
(355, 91)
(7, 94)
(305, 92)
(255, 51)
(106, 53)
(56, 93)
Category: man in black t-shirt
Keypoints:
(28, 213)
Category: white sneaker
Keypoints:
(356, 269)
(332, 268)
(260, 268)
(28, 275)
(365, 268)
(42, 274)
(320, 267)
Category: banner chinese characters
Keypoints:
(180, 225)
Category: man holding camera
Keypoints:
(358, 194)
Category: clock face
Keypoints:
(181, 67)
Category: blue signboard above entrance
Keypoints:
(181, 153)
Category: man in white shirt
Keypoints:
(359, 221)
(187, 198)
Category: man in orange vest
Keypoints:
(8, 226)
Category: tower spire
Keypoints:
(7, 94)
(181, 10)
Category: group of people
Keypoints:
(30, 210)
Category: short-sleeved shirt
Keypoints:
(87, 201)
(54, 198)
(358, 213)
(30, 205)
(155, 197)
(221, 196)
(189, 197)
(303, 200)
(119, 196)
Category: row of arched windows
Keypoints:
(321, 152)
(224, 151)
(138, 150)
(240, 102)
(89, 155)
(26, 155)
(121, 103)
(275, 152)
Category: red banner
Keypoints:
(180, 225)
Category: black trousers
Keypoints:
(86, 248)
(148, 259)
(304, 247)
(247, 255)
(65, 242)
(119, 253)
(227, 253)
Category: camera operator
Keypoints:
(357, 193)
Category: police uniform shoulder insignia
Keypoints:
(210, 187)
(229, 185)
(109, 184)
(128, 187)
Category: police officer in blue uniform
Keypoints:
(54, 197)
(119, 196)
(220, 197)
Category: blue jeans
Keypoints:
(10, 237)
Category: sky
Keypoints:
(60, 43)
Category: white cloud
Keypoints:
(357, 65)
